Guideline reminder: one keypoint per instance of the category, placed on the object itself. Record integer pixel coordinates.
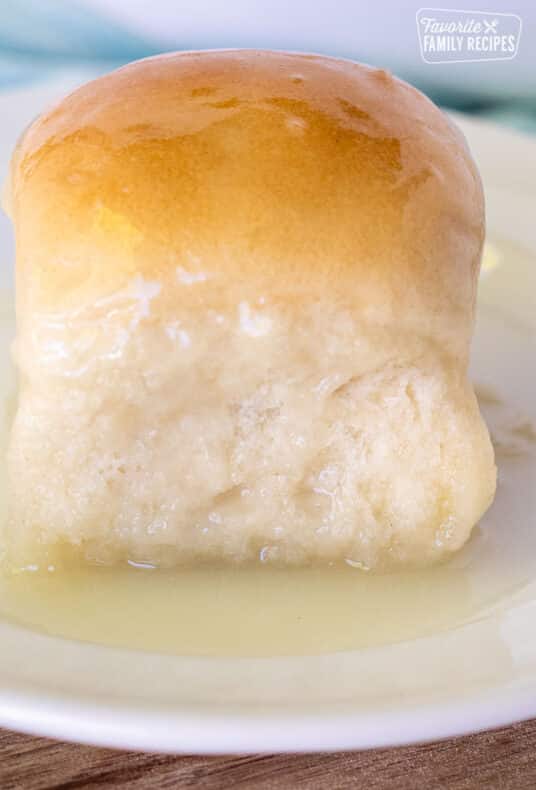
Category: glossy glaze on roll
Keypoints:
(245, 296)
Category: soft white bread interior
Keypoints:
(245, 296)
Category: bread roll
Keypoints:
(246, 285)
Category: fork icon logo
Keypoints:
(448, 36)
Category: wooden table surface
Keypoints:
(500, 760)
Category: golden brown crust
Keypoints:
(299, 175)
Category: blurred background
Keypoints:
(75, 39)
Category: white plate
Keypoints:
(450, 681)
